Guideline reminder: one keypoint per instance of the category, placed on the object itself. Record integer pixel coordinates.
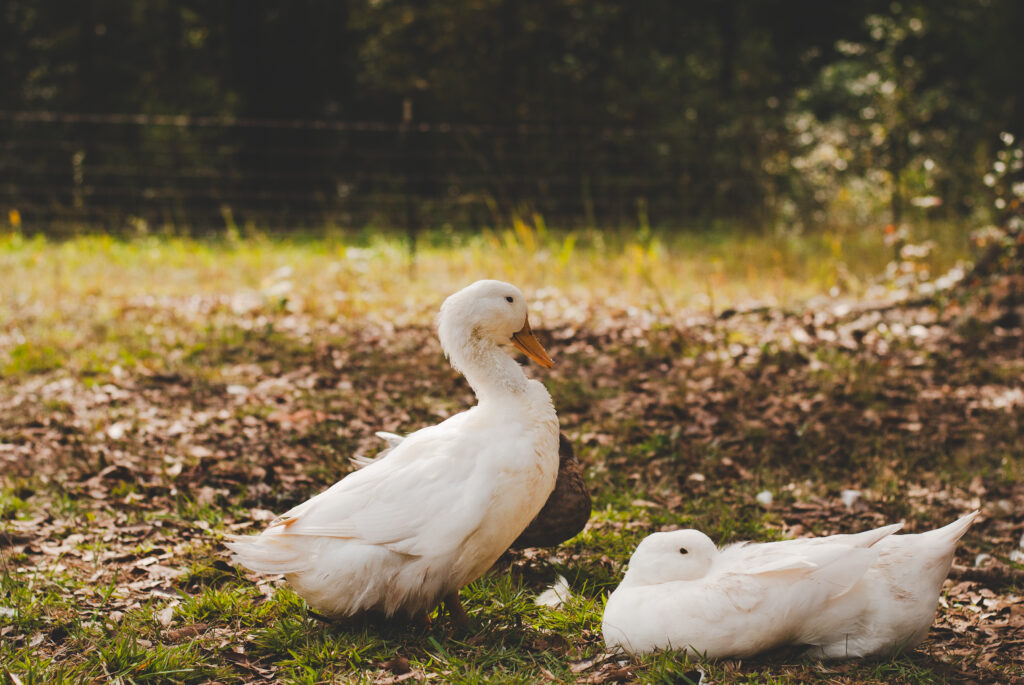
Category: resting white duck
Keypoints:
(403, 533)
(868, 594)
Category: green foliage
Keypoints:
(28, 358)
(614, 114)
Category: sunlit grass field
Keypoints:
(56, 297)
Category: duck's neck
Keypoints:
(491, 373)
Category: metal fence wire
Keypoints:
(66, 172)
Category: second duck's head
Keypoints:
(672, 556)
(488, 313)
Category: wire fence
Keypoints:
(68, 172)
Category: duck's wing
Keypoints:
(749, 574)
(427, 496)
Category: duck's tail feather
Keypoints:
(392, 439)
(955, 530)
(266, 553)
(361, 461)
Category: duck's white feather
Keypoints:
(403, 532)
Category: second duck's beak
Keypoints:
(526, 343)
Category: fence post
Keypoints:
(409, 172)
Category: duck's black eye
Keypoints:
(509, 298)
(683, 550)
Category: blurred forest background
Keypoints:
(131, 116)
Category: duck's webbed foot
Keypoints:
(320, 617)
(421, 619)
(454, 606)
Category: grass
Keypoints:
(157, 393)
(88, 301)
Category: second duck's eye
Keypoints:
(509, 298)
(683, 550)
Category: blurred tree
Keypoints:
(759, 110)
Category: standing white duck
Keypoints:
(868, 594)
(403, 533)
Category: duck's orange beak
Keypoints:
(527, 343)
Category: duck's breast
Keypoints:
(517, 469)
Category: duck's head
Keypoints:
(672, 556)
(489, 312)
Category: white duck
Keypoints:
(403, 533)
(868, 594)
